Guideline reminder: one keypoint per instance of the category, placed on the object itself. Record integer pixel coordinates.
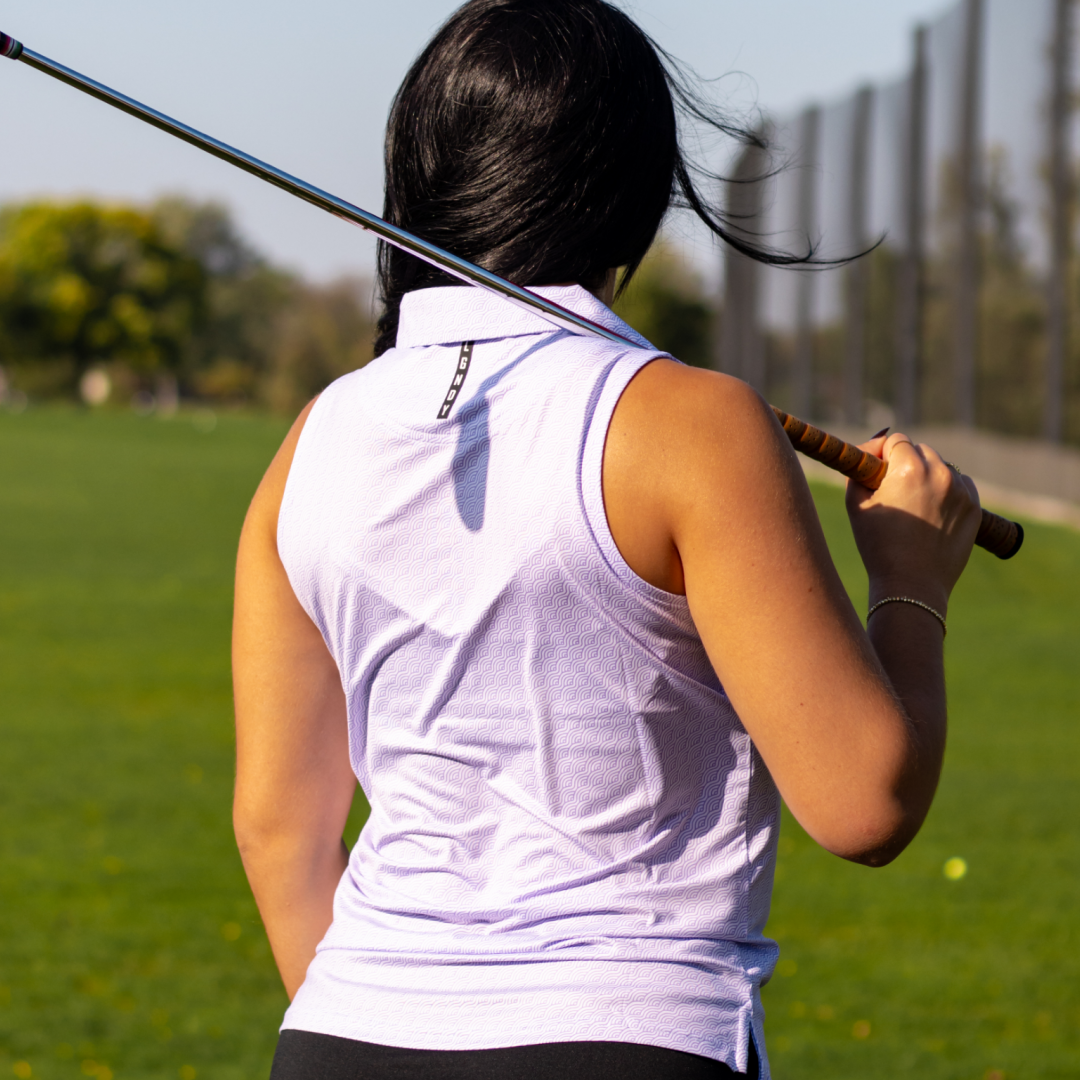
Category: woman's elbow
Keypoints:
(287, 827)
(871, 835)
(255, 830)
(263, 826)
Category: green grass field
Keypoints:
(130, 947)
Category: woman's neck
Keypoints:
(605, 293)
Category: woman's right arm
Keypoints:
(704, 496)
(294, 782)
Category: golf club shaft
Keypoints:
(998, 535)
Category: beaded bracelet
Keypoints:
(908, 600)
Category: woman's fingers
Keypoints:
(960, 489)
(875, 445)
(918, 527)
(899, 449)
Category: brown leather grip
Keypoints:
(998, 535)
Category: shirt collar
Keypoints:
(453, 313)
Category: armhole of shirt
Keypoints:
(606, 396)
(291, 496)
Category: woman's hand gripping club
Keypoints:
(996, 534)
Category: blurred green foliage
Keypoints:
(666, 303)
(82, 284)
(166, 298)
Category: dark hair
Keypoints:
(540, 139)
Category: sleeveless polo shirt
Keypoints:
(571, 836)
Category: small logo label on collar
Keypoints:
(460, 372)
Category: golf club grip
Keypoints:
(998, 535)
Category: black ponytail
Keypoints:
(540, 139)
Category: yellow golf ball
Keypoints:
(955, 869)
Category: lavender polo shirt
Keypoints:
(571, 835)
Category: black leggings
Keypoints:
(302, 1055)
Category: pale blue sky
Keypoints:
(307, 85)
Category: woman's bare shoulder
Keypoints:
(686, 402)
(686, 443)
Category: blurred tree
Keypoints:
(170, 298)
(82, 284)
(325, 332)
(230, 352)
(666, 303)
(269, 338)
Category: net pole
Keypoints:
(810, 137)
(857, 276)
(910, 285)
(1057, 344)
(742, 351)
(966, 299)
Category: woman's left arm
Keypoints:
(294, 782)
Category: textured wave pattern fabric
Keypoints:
(571, 835)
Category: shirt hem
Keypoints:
(567, 1001)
